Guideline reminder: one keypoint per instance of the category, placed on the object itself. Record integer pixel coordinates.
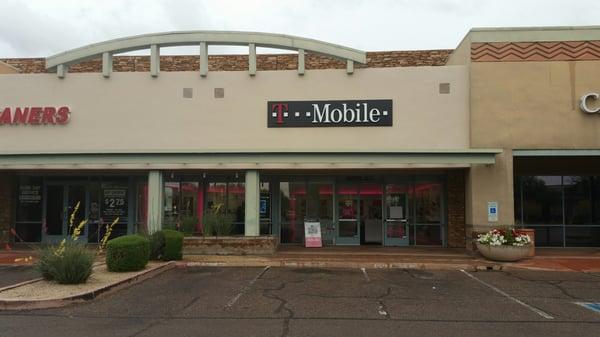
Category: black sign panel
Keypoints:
(291, 114)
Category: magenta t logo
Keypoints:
(279, 108)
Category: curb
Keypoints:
(81, 297)
(343, 264)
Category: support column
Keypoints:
(155, 201)
(252, 219)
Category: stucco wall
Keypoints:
(525, 105)
(135, 112)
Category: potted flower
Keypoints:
(504, 245)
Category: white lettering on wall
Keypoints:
(583, 102)
(321, 116)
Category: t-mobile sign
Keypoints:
(290, 114)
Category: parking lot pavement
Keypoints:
(213, 301)
(10, 275)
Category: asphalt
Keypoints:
(220, 301)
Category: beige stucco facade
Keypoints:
(523, 105)
(136, 112)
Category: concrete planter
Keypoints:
(229, 245)
(504, 253)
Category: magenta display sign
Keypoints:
(35, 115)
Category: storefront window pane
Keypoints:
(548, 236)
(216, 196)
(348, 211)
(266, 225)
(428, 200)
(29, 209)
(578, 202)
(114, 204)
(429, 235)
(293, 211)
(542, 200)
(582, 236)
(188, 210)
(171, 209)
(596, 200)
(142, 207)
(236, 194)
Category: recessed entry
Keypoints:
(219, 92)
(188, 93)
(444, 88)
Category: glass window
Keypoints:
(216, 196)
(29, 209)
(595, 200)
(29, 200)
(582, 236)
(142, 207)
(548, 236)
(266, 227)
(578, 203)
(348, 211)
(428, 202)
(171, 209)
(293, 211)
(542, 200)
(236, 195)
(429, 235)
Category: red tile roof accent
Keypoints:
(535, 51)
(380, 59)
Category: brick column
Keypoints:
(456, 208)
(7, 185)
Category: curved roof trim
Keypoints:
(187, 38)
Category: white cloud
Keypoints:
(41, 28)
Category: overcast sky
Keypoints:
(39, 28)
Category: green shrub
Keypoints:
(157, 245)
(173, 245)
(127, 253)
(67, 263)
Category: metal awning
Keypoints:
(250, 160)
(556, 153)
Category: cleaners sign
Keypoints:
(35, 115)
(376, 112)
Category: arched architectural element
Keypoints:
(154, 42)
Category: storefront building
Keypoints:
(382, 148)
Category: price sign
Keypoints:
(114, 202)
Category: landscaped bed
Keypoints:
(40, 293)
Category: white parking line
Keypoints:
(246, 288)
(364, 271)
(534, 309)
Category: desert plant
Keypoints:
(217, 224)
(69, 263)
(173, 247)
(188, 224)
(127, 253)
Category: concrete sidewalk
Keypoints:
(551, 259)
(585, 260)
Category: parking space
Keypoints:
(328, 302)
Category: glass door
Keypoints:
(60, 202)
(348, 229)
(397, 214)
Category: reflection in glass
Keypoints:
(293, 211)
(542, 200)
(347, 211)
(428, 203)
